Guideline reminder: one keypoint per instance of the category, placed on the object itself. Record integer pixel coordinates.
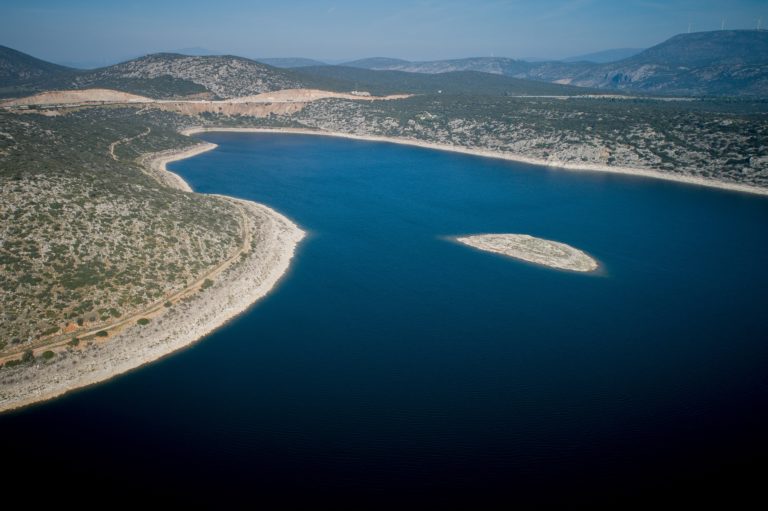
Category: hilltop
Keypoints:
(17, 67)
(221, 76)
(721, 63)
(176, 76)
(159, 76)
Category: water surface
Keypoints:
(391, 360)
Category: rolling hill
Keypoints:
(18, 68)
(722, 63)
(725, 62)
(221, 76)
(159, 76)
(168, 75)
(605, 56)
(494, 65)
(449, 83)
(290, 62)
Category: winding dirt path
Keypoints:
(114, 144)
(60, 341)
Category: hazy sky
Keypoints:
(96, 31)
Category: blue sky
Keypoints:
(88, 31)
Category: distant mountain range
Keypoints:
(728, 62)
(171, 75)
(291, 62)
(161, 75)
(605, 56)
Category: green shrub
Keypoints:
(28, 357)
(51, 330)
(74, 342)
(143, 321)
(102, 333)
(47, 355)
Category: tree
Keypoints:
(28, 357)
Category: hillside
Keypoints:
(89, 237)
(732, 62)
(173, 76)
(605, 56)
(456, 82)
(221, 76)
(726, 62)
(18, 68)
(495, 65)
(722, 63)
(159, 76)
(290, 62)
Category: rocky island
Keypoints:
(534, 250)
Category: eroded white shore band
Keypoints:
(593, 167)
(234, 291)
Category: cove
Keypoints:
(392, 361)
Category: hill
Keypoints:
(722, 63)
(18, 69)
(170, 75)
(455, 82)
(728, 62)
(220, 76)
(605, 56)
(290, 62)
(494, 65)
(376, 63)
(158, 76)
(725, 62)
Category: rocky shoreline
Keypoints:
(554, 163)
(236, 288)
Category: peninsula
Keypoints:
(99, 349)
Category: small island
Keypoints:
(535, 250)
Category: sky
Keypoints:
(99, 32)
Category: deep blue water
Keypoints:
(392, 361)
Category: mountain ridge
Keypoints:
(725, 62)
(721, 63)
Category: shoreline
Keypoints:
(155, 164)
(487, 153)
(530, 249)
(236, 289)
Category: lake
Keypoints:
(391, 360)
